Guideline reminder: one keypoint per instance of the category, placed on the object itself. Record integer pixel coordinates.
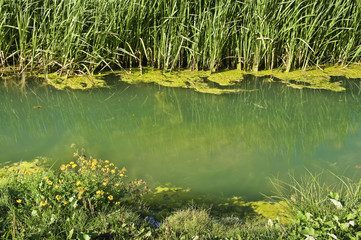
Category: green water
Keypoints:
(226, 145)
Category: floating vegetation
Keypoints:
(75, 82)
(230, 81)
(168, 198)
(214, 83)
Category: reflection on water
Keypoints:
(224, 145)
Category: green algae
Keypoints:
(200, 80)
(315, 78)
(75, 82)
(166, 199)
(227, 78)
(214, 83)
(22, 168)
(273, 211)
(197, 80)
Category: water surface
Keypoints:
(226, 145)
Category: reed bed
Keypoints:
(83, 36)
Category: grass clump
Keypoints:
(322, 211)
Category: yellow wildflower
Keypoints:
(112, 164)
(99, 166)
(78, 183)
(58, 197)
(112, 171)
(19, 201)
(56, 186)
(46, 178)
(122, 175)
(105, 183)
(80, 196)
(117, 184)
(106, 161)
(124, 170)
(117, 203)
(110, 197)
(74, 165)
(105, 179)
(61, 181)
(49, 182)
(43, 204)
(81, 189)
(65, 203)
(100, 192)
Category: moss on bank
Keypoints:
(214, 83)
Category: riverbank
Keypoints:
(91, 198)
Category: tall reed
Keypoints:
(73, 36)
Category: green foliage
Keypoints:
(323, 212)
(87, 35)
(84, 197)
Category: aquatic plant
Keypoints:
(74, 37)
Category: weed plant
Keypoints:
(84, 36)
(322, 211)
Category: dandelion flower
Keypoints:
(117, 203)
(78, 183)
(65, 203)
(43, 204)
(112, 171)
(105, 183)
(49, 182)
(74, 165)
(56, 186)
(122, 175)
(46, 178)
(112, 164)
(110, 197)
(106, 161)
(19, 201)
(124, 170)
(58, 197)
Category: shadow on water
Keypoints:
(222, 145)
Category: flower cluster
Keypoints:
(89, 183)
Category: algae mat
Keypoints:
(215, 83)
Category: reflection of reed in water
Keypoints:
(167, 107)
(274, 119)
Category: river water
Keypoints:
(226, 145)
